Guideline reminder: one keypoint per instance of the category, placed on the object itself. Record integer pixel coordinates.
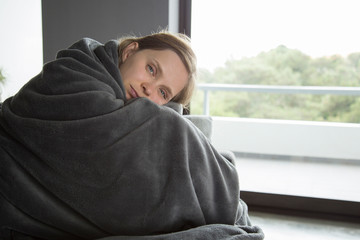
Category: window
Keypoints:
(279, 42)
(288, 144)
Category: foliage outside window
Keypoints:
(284, 66)
(2, 78)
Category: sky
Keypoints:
(232, 29)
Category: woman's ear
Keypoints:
(129, 50)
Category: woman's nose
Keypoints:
(148, 88)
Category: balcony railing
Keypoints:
(330, 140)
(315, 90)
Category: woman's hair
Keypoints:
(180, 44)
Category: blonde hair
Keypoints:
(180, 44)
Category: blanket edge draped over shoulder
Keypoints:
(79, 161)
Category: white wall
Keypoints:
(20, 43)
(284, 137)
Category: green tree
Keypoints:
(354, 60)
(2, 78)
(284, 66)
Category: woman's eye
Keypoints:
(163, 93)
(151, 70)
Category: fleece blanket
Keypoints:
(78, 161)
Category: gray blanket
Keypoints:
(78, 161)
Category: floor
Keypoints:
(303, 178)
(278, 227)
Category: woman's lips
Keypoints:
(133, 93)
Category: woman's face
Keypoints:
(158, 75)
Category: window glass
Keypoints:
(278, 42)
(297, 144)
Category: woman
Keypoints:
(169, 64)
(87, 151)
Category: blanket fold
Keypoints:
(78, 161)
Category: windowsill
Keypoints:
(279, 227)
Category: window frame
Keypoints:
(311, 207)
(329, 209)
